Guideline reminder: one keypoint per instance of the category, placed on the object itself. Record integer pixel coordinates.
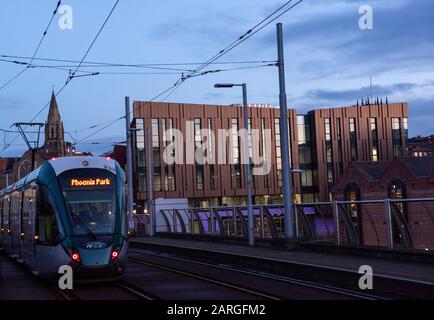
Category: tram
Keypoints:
(70, 211)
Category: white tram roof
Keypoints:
(63, 164)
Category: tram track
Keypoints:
(134, 290)
(207, 279)
(235, 273)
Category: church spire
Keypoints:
(54, 133)
(53, 114)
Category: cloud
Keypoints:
(350, 95)
(212, 96)
(215, 28)
(325, 40)
(12, 104)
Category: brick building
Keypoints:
(6, 170)
(421, 146)
(322, 144)
(404, 177)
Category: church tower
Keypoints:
(54, 134)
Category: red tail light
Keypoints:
(75, 256)
(115, 254)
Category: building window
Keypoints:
(352, 194)
(329, 151)
(169, 171)
(353, 139)
(289, 143)
(264, 148)
(236, 173)
(309, 174)
(396, 137)
(374, 139)
(141, 155)
(340, 147)
(211, 156)
(397, 191)
(278, 152)
(249, 128)
(198, 144)
(156, 155)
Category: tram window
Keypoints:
(48, 230)
(1, 213)
(91, 206)
(6, 203)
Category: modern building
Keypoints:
(373, 132)
(403, 178)
(322, 143)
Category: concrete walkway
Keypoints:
(409, 271)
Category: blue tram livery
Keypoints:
(70, 211)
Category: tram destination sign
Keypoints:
(90, 182)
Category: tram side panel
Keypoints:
(28, 226)
(15, 223)
(49, 253)
(1, 222)
(7, 245)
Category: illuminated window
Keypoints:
(329, 151)
(352, 194)
(236, 173)
(198, 144)
(156, 155)
(278, 151)
(397, 191)
(340, 147)
(211, 156)
(264, 148)
(396, 137)
(249, 126)
(374, 139)
(353, 139)
(141, 155)
(169, 171)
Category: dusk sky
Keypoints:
(329, 59)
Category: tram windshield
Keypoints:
(90, 197)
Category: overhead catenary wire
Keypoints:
(275, 15)
(103, 128)
(110, 64)
(37, 48)
(77, 68)
(93, 41)
(263, 23)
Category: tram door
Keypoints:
(6, 225)
(1, 223)
(28, 227)
(15, 223)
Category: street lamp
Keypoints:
(251, 227)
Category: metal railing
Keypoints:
(392, 223)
